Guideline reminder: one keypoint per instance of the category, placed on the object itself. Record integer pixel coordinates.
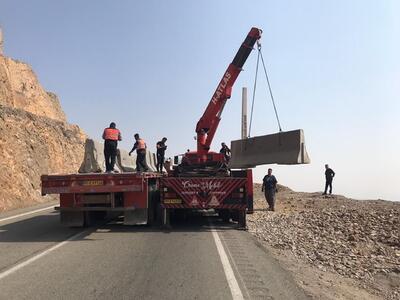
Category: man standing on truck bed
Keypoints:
(111, 136)
(140, 147)
(161, 147)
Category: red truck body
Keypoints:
(231, 197)
(84, 197)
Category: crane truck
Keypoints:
(200, 181)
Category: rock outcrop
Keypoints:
(34, 136)
(20, 88)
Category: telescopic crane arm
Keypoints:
(208, 123)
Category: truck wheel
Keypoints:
(89, 219)
(158, 215)
(151, 215)
(225, 215)
(242, 219)
(72, 219)
(155, 210)
(94, 217)
(235, 215)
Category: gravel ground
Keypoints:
(354, 239)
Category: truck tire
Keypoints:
(72, 219)
(93, 218)
(158, 215)
(235, 215)
(155, 211)
(242, 219)
(89, 219)
(225, 215)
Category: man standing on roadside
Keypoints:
(140, 147)
(329, 174)
(269, 189)
(161, 147)
(111, 136)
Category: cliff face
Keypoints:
(34, 136)
(20, 88)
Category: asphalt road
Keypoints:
(200, 258)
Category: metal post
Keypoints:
(244, 112)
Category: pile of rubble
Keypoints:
(356, 239)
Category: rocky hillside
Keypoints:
(339, 248)
(20, 88)
(34, 136)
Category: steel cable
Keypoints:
(254, 91)
(270, 90)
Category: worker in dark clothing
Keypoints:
(111, 136)
(140, 147)
(225, 151)
(329, 174)
(161, 147)
(269, 189)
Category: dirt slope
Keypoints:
(34, 136)
(337, 247)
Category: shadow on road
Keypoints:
(47, 228)
(192, 223)
(40, 228)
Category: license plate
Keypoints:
(172, 201)
(92, 182)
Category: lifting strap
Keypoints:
(269, 88)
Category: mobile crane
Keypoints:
(202, 180)
(203, 159)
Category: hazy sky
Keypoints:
(152, 66)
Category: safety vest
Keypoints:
(111, 134)
(141, 144)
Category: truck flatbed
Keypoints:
(95, 182)
(84, 197)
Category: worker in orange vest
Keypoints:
(111, 136)
(140, 147)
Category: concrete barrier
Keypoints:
(285, 148)
(124, 162)
(94, 161)
(127, 163)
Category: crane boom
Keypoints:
(208, 123)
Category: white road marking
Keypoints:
(27, 213)
(36, 257)
(230, 275)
